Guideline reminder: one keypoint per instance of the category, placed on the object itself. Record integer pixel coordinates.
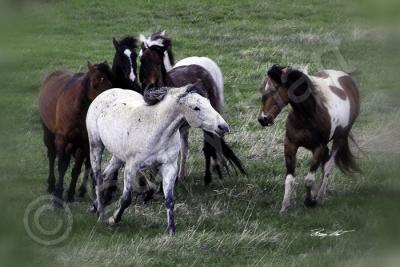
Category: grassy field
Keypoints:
(235, 221)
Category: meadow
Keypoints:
(234, 221)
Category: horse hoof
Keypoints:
(111, 221)
(50, 189)
(149, 195)
(57, 203)
(82, 191)
(311, 203)
(320, 200)
(70, 198)
(92, 209)
(171, 231)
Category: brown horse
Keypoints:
(156, 71)
(324, 108)
(64, 99)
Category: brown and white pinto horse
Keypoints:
(64, 99)
(324, 108)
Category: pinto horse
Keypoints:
(64, 99)
(160, 114)
(124, 64)
(324, 108)
(156, 70)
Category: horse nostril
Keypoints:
(224, 128)
(263, 121)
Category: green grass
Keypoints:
(235, 221)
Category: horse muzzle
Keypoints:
(266, 120)
(223, 129)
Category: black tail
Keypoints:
(222, 149)
(345, 159)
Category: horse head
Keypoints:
(125, 60)
(99, 79)
(156, 59)
(198, 111)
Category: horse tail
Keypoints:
(224, 153)
(345, 159)
(229, 155)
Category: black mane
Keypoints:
(129, 41)
(155, 95)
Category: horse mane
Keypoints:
(129, 41)
(302, 82)
(195, 88)
(155, 95)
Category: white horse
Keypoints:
(143, 132)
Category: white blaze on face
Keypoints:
(167, 62)
(157, 42)
(128, 53)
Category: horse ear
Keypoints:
(116, 44)
(197, 87)
(142, 38)
(90, 66)
(275, 73)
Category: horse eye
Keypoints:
(197, 108)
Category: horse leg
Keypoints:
(96, 151)
(126, 198)
(48, 138)
(207, 155)
(290, 182)
(168, 174)
(184, 131)
(320, 153)
(63, 162)
(328, 167)
(76, 171)
(82, 189)
(109, 178)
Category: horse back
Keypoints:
(340, 96)
(55, 93)
(184, 75)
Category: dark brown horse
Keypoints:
(324, 108)
(64, 99)
(156, 71)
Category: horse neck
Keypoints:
(172, 119)
(311, 111)
(82, 92)
(119, 80)
(166, 79)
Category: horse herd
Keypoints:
(146, 125)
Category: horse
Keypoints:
(324, 107)
(124, 64)
(63, 101)
(117, 119)
(156, 70)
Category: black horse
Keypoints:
(124, 64)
